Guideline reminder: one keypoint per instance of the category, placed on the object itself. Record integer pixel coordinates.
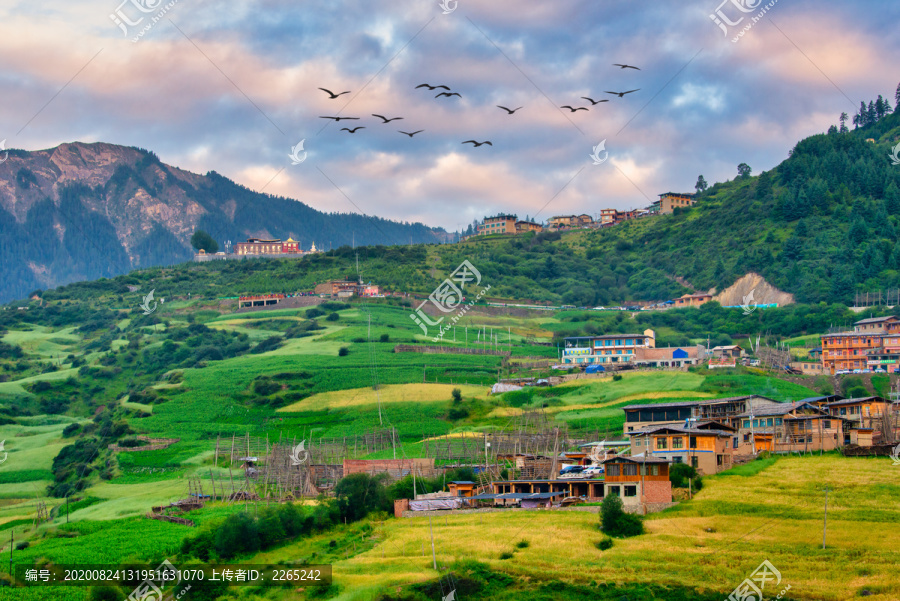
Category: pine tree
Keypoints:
(897, 96)
(879, 108)
(871, 117)
(701, 185)
(844, 128)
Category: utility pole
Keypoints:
(825, 523)
(433, 556)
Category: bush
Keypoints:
(332, 317)
(314, 312)
(22, 546)
(617, 377)
(359, 494)
(457, 395)
(615, 522)
(605, 543)
(343, 351)
(506, 555)
(681, 473)
(71, 430)
(238, 534)
(522, 544)
(385, 338)
(105, 593)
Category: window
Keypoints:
(677, 442)
(746, 423)
(778, 421)
(629, 342)
(769, 422)
(614, 490)
(746, 438)
(695, 461)
(677, 460)
(631, 428)
(734, 442)
(631, 491)
(826, 423)
(661, 443)
(613, 470)
(720, 460)
(630, 469)
(619, 342)
(843, 411)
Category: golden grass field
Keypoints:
(396, 393)
(710, 543)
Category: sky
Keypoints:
(233, 86)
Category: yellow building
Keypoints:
(670, 201)
(499, 224)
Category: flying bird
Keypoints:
(477, 144)
(354, 130)
(385, 119)
(580, 108)
(449, 94)
(510, 111)
(341, 118)
(411, 134)
(625, 66)
(332, 94)
(593, 102)
(430, 87)
(622, 94)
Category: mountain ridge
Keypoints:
(80, 211)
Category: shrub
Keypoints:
(359, 494)
(457, 395)
(617, 377)
(522, 544)
(332, 317)
(343, 351)
(22, 546)
(681, 473)
(384, 338)
(615, 522)
(314, 312)
(506, 555)
(238, 534)
(71, 430)
(605, 543)
(105, 593)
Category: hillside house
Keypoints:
(528, 226)
(691, 300)
(461, 488)
(670, 201)
(608, 349)
(724, 410)
(669, 356)
(788, 427)
(732, 351)
(873, 342)
(498, 224)
(706, 449)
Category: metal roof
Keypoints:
(636, 459)
(874, 319)
(861, 399)
(680, 430)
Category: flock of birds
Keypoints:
(448, 93)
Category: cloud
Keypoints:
(233, 89)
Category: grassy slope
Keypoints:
(711, 543)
